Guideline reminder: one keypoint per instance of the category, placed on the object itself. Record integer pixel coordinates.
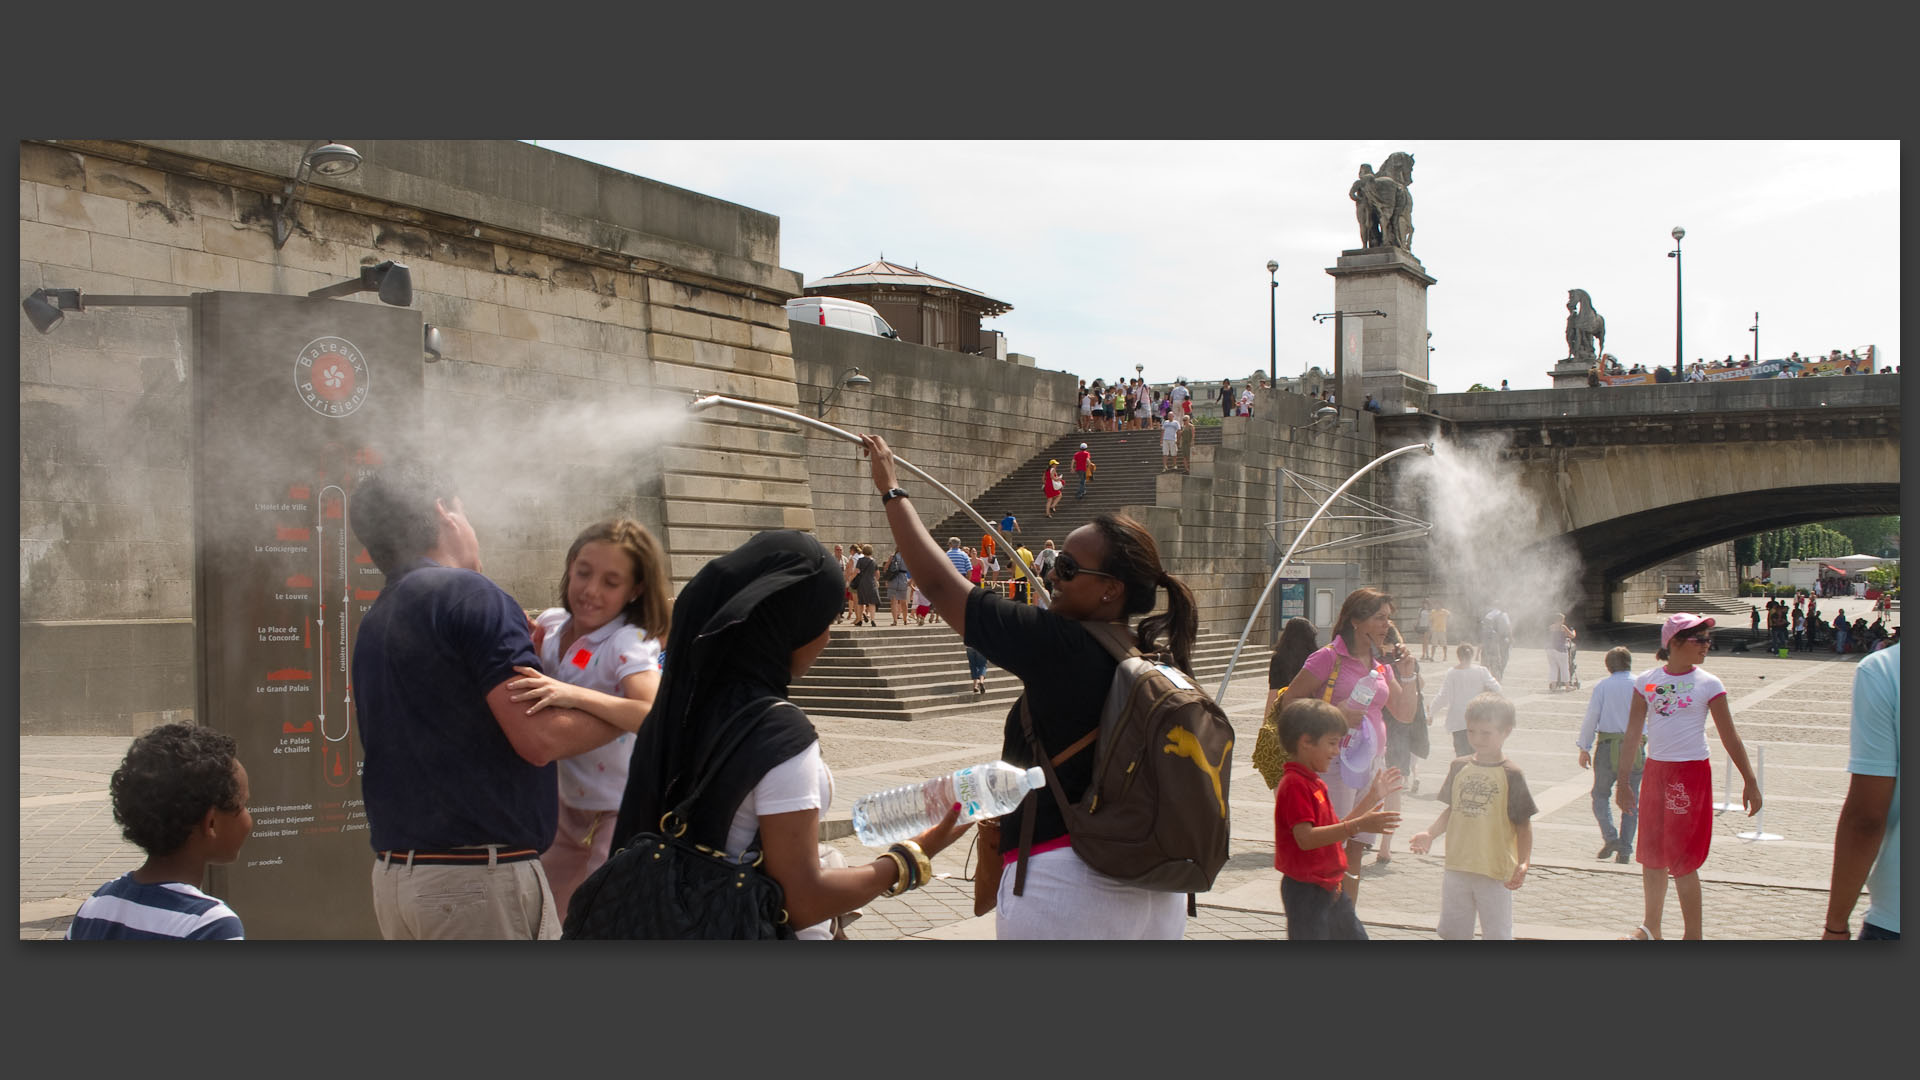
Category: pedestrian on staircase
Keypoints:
(899, 582)
(1169, 442)
(866, 591)
(1082, 464)
(1051, 485)
(1109, 572)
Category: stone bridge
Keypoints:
(1632, 476)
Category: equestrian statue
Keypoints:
(1586, 330)
(1382, 205)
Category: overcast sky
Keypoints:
(1116, 254)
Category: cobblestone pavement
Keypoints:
(1794, 710)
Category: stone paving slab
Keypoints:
(1796, 707)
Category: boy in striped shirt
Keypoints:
(181, 795)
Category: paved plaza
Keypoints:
(1795, 710)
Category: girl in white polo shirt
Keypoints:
(1672, 703)
(602, 645)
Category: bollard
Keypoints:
(1760, 781)
(1726, 802)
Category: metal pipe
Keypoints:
(1278, 570)
(709, 400)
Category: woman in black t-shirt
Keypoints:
(866, 592)
(1107, 571)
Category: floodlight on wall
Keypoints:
(323, 157)
(392, 280)
(1319, 414)
(431, 344)
(45, 308)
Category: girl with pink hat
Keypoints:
(1671, 703)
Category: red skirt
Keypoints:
(1676, 816)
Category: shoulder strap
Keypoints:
(1334, 677)
(1115, 638)
(710, 766)
(1053, 784)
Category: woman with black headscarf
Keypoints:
(748, 624)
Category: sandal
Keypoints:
(1639, 933)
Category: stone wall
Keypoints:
(967, 420)
(1639, 594)
(1214, 527)
(580, 306)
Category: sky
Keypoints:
(1154, 253)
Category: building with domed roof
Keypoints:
(925, 309)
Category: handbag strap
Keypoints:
(1327, 695)
(709, 767)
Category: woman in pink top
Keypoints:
(1366, 675)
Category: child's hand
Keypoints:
(542, 690)
(1379, 821)
(1420, 844)
(1519, 877)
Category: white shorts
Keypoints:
(1167, 447)
(1464, 895)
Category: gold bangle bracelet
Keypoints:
(922, 866)
(900, 870)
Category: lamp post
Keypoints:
(850, 378)
(1678, 361)
(1756, 337)
(1273, 323)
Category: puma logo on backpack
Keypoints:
(1155, 814)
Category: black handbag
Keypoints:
(660, 886)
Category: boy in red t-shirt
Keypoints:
(1309, 842)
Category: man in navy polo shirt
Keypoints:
(459, 781)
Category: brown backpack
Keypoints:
(1156, 813)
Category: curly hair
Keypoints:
(171, 777)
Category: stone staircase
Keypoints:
(1127, 469)
(904, 672)
(1715, 604)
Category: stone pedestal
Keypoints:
(1570, 372)
(1393, 281)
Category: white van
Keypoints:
(839, 314)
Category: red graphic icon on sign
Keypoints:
(363, 558)
(333, 509)
(288, 728)
(299, 581)
(299, 491)
(288, 674)
(366, 594)
(366, 455)
(291, 532)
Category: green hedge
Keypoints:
(1753, 587)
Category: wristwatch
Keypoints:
(891, 494)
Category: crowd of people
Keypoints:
(1793, 366)
(1804, 628)
(507, 754)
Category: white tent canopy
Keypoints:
(1851, 563)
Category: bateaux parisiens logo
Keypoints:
(331, 376)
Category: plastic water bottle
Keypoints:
(1363, 693)
(983, 791)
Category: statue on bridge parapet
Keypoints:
(1586, 330)
(1382, 205)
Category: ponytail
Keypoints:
(1134, 559)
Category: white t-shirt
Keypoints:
(1677, 711)
(1460, 687)
(1180, 394)
(1086, 405)
(1169, 431)
(596, 779)
(802, 782)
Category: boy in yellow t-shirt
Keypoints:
(1492, 832)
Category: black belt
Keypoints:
(459, 857)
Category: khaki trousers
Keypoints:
(499, 902)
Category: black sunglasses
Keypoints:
(1702, 639)
(1066, 568)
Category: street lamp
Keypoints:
(1756, 337)
(1678, 362)
(1273, 323)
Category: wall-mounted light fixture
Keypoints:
(323, 157)
(45, 308)
(849, 379)
(392, 280)
(431, 344)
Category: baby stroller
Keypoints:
(1573, 667)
